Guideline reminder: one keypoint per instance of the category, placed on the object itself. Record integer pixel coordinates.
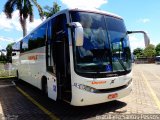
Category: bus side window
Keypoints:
(25, 44)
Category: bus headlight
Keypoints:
(84, 87)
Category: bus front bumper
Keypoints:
(83, 98)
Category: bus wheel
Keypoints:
(17, 75)
(44, 86)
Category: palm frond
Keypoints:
(9, 8)
(25, 9)
(30, 12)
(19, 4)
(39, 8)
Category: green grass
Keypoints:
(7, 77)
(6, 73)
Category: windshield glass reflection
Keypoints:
(106, 47)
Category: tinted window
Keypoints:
(16, 46)
(91, 20)
(114, 24)
(24, 44)
(59, 26)
(105, 45)
(37, 38)
(56, 32)
(34, 40)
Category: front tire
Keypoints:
(44, 86)
(17, 75)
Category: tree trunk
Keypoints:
(24, 25)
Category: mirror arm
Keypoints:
(69, 25)
(130, 32)
(74, 25)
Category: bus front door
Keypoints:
(62, 71)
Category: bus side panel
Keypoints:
(23, 68)
(52, 86)
(32, 66)
(37, 65)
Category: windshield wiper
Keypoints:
(119, 60)
(122, 64)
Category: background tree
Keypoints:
(51, 10)
(149, 51)
(25, 8)
(138, 52)
(9, 52)
(157, 49)
(2, 58)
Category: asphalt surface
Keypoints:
(140, 101)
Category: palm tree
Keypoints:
(51, 10)
(25, 8)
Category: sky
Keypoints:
(137, 14)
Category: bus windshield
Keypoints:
(106, 46)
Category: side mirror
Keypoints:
(78, 33)
(146, 38)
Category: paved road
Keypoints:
(14, 104)
(152, 72)
(144, 99)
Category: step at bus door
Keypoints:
(60, 67)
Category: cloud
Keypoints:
(144, 20)
(136, 42)
(0, 47)
(32, 25)
(84, 3)
(13, 24)
(4, 39)
(8, 26)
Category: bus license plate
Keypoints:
(112, 96)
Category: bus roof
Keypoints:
(96, 11)
(92, 10)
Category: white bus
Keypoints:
(80, 56)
